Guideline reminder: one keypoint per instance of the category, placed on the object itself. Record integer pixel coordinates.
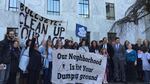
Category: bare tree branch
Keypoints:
(134, 13)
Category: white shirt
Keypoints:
(50, 54)
(25, 52)
(117, 46)
(43, 52)
(129, 50)
(84, 48)
(145, 63)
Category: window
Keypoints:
(110, 11)
(12, 5)
(53, 7)
(84, 8)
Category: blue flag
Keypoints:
(81, 31)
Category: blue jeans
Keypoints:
(146, 77)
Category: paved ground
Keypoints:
(126, 83)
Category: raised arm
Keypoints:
(32, 44)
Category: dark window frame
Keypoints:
(110, 8)
(53, 11)
(14, 8)
(83, 8)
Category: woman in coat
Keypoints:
(35, 64)
(15, 53)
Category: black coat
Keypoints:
(92, 49)
(35, 58)
(5, 51)
(15, 53)
(136, 47)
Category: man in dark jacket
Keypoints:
(110, 51)
(119, 61)
(5, 52)
(108, 46)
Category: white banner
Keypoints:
(32, 23)
(76, 67)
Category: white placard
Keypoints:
(76, 67)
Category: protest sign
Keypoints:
(76, 67)
(32, 23)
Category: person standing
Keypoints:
(15, 53)
(75, 46)
(119, 61)
(59, 44)
(100, 42)
(94, 47)
(83, 46)
(105, 54)
(145, 56)
(110, 51)
(24, 52)
(5, 53)
(146, 44)
(125, 44)
(137, 47)
(131, 60)
(46, 52)
(35, 64)
(68, 44)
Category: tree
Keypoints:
(134, 13)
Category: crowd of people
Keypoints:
(125, 62)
